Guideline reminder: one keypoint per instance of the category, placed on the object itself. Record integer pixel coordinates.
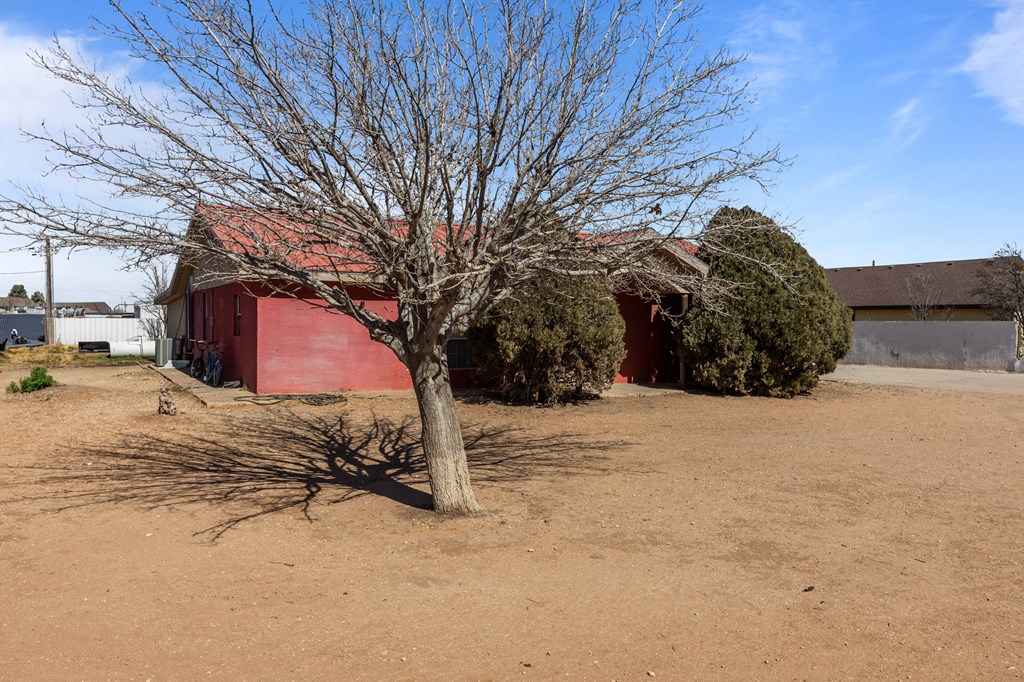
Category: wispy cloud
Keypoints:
(783, 43)
(907, 123)
(997, 60)
(841, 177)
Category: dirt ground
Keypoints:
(863, 532)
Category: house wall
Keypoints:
(213, 319)
(177, 320)
(243, 348)
(288, 345)
(907, 315)
(463, 378)
(650, 347)
(304, 349)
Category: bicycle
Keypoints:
(208, 365)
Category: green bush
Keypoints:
(553, 342)
(37, 379)
(782, 326)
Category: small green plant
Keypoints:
(37, 379)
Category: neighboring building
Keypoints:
(943, 290)
(82, 309)
(277, 343)
(15, 304)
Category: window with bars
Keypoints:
(459, 356)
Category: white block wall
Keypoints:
(71, 330)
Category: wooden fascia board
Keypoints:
(687, 259)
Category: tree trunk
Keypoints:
(442, 437)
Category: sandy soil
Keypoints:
(861, 533)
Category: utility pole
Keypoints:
(48, 331)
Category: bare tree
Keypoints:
(423, 146)
(928, 301)
(158, 273)
(1001, 283)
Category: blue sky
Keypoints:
(904, 122)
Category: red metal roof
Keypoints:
(689, 246)
(269, 235)
(245, 231)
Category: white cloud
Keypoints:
(29, 96)
(997, 61)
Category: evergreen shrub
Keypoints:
(557, 340)
(782, 326)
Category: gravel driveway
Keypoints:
(935, 379)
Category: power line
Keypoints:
(23, 272)
(85, 287)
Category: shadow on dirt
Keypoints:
(286, 460)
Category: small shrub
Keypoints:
(37, 379)
(555, 341)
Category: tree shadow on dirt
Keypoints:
(284, 460)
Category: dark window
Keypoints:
(458, 354)
(238, 315)
(204, 313)
(209, 311)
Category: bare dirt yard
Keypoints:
(863, 532)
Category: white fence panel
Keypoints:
(72, 330)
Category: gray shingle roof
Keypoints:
(16, 302)
(951, 283)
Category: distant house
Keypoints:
(278, 343)
(14, 304)
(942, 290)
(81, 309)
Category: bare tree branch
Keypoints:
(928, 300)
(422, 147)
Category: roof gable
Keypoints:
(16, 302)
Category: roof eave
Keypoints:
(687, 259)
